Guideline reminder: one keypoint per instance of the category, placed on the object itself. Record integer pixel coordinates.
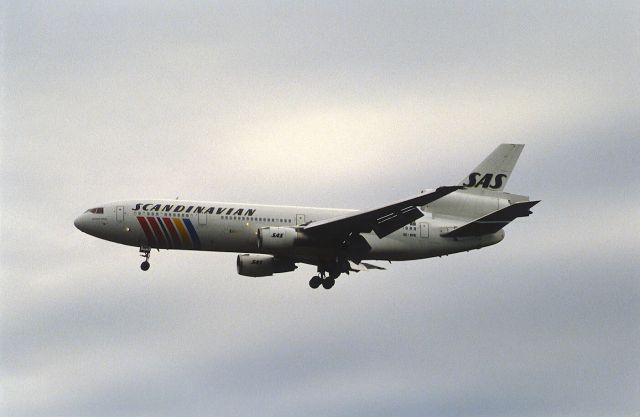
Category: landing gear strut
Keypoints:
(146, 254)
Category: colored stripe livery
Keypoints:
(169, 232)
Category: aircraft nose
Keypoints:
(80, 223)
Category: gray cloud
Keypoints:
(330, 105)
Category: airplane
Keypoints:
(273, 239)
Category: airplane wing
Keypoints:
(493, 222)
(382, 220)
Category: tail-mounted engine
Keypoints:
(254, 265)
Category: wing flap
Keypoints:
(363, 266)
(493, 222)
(394, 221)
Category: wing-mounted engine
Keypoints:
(254, 265)
(274, 239)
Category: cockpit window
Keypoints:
(97, 210)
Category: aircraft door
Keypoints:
(120, 213)
(202, 219)
(299, 219)
(424, 229)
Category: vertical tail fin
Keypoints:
(493, 173)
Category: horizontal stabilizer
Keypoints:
(493, 222)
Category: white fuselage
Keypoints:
(233, 227)
(274, 239)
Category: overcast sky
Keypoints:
(334, 104)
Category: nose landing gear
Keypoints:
(146, 254)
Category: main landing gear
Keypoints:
(146, 254)
(320, 279)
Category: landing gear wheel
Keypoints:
(315, 282)
(328, 283)
(145, 252)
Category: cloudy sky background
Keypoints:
(328, 104)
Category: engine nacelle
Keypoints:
(255, 265)
(277, 238)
